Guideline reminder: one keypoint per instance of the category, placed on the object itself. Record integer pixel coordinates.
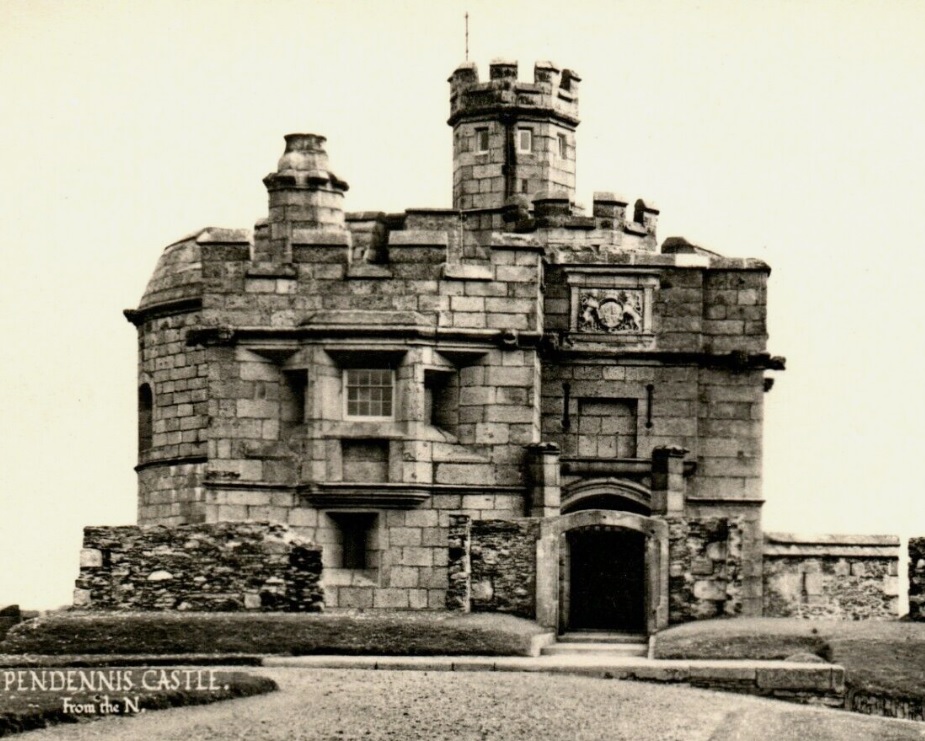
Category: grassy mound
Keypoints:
(741, 638)
(885, 657)
(401, 634)
(25, 706)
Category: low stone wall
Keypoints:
(847, 577)
(917, 579)
(216, 567)
(492, 565)
(705, 571)
(869, 703)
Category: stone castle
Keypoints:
(510, 404)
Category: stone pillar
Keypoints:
(668, 487)
(547, 576)
(544, 471)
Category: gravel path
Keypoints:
(409, 705)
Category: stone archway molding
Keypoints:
(548, 552)
(585, 489)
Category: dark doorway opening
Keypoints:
(607, 580)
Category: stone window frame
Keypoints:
(482, 140)
(146, 405)
(521, 131)
(334, 573)
(358, 527)
(346, 386)
(563, 145)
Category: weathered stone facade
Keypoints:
(445, 399)
(850, 577)
(917, 578)
(225, 566)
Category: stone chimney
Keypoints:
(303, 192)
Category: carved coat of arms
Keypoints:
(612, 311)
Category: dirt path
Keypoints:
(407, 706)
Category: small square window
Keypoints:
(524, 140)
(563, 146)
(368, 393)
(481, 140)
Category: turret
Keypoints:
(512, 138)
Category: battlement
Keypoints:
(554, 91)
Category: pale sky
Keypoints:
(787, 131)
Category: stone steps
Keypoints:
(586, 643)
(601, 636)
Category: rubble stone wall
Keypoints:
(705, 571)
(917, 578)
(220, 567)
(503, 562)
(492, 565)
(848, 577)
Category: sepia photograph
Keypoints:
(462, 370)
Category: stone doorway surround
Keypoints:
(552, 552)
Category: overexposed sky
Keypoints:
(788, 131)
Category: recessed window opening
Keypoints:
(481, 140)
(524, 140)
(441, 400)
(145, 418)
(563, 145)
(369, 393)
(354, 530)
(292, 396)
(524, 185)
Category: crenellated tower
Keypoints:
(512, 138)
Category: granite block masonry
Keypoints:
(227, 566)
(385, 383)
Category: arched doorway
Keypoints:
(602, 570)
(606, 579)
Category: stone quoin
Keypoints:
(509, 404)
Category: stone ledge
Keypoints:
(467, 272)
(830, 551)
(368, 318)
(217, 235)
(851, 540)
(418, 238)
(321, 237)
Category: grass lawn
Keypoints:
(32, 699)
(393, 633)
(879, 656)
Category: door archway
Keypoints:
(615, 560)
